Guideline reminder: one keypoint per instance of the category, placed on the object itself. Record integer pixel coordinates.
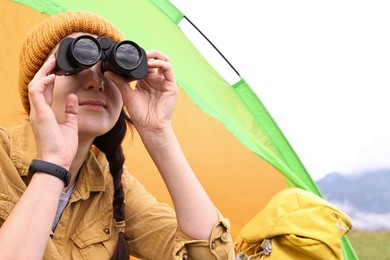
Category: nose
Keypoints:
(94, 79)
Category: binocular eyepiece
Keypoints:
(125, 57)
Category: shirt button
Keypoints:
(185, 257)
(106, 231)
(213, 245)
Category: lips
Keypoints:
(93, 103)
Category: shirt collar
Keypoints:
(93, 174)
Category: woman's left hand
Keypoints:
(150, 105)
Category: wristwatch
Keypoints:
(49, 168)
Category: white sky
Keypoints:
(322, 69)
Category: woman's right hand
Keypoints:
(56, 142)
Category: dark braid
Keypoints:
(110, 144)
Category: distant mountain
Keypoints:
(365, 197)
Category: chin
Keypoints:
(93, 130)
(95, 125)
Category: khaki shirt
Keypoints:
(87, 229)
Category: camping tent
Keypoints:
(233, 144)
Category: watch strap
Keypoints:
(49, 168)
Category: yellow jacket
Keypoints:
(87, 229)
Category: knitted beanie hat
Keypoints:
(46, 35)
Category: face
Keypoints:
(100, 101)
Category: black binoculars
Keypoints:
(125, 57)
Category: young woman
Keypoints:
(76, 127)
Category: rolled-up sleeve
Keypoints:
(219, 246)
(153, 233)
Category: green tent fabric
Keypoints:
(236, 106)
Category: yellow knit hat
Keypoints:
(46, 35)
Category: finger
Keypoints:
(47, 68)
(71, 110)
(155, 54)
(163, 67)
(41, 86)
(37, 99)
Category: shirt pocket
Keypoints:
(96, 239)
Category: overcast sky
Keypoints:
(320, 67)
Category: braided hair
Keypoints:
(110, 144)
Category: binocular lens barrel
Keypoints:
(86, 51)
(127, 55)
